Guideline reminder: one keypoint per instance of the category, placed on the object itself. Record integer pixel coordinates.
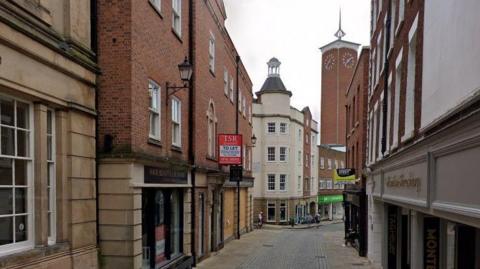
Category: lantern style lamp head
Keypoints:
(254, 140)
(186, 70)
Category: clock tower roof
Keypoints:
(273, 83)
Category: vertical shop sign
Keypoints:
(431, 243)
(392, 222)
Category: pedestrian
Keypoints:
(260, 219)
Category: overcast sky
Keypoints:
(293, 31)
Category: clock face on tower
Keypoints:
(348, 60)
(329, 62)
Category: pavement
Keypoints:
(319, 247)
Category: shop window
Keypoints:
(16, 221)
(162, 226)
(283, 211)
(271, 211)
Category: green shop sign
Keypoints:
(328, 199)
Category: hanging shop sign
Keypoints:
(165, 175)
(346, 175)
(229, 149)
(431, 246)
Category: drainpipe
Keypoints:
(94, 46)
(385, 79)
(237, 59)
(191, 126)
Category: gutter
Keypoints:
(191, 127)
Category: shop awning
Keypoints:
(328, 199)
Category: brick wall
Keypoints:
(334, 84)
(356, 109)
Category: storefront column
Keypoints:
(416, 239)
(376, 231)
(330, 211)
(40, 172)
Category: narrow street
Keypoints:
(320, 247)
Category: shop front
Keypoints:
(355, 206)
(145, 207)
(423, 204)
(330, 206)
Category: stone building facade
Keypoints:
(47, 128)
(330, 195)
(285, 166)
(423, 148)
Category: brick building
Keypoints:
(218, 73)
(338, 61)
(47, 128)
(158, 143)
(330, 195)
(423, 133)
(356, 126)
(284, 158)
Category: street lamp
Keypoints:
(254, 140)
(186, 70)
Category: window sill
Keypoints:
(212, 72)
(154, 141)
(26, 254)
(176, 148)
(211, 158)
(177, 35)
(156, 9)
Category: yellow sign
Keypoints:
(344, 175)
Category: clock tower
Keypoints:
(338, 63)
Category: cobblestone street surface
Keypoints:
(318, 247)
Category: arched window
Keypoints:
(212, 129)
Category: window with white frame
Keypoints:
(379, 58)
(283, 182)
(154, 92)
(211, 53)
(283, 211)
(299, 182)
(329, 184)
(336, 164)
(271, 129)
(401, 12)
(157, 4)
(225, 81)
(389, 109)
(16, 209)
(396, 104)
(283, 127)
(212, 131)
(306, 139)
(176, 122)
(244, 156)
(271, 182)
(177, 16)
(329, 164)
(375, 131)
(283, 154)
(392, 23)
(321, 184)
(239, 101)
(411, 73)
(231, 89)
(244, 106)
(322, 163)
(271, 154)
(342, 164)
(270, 211)
(51, 193)
(380, 129)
